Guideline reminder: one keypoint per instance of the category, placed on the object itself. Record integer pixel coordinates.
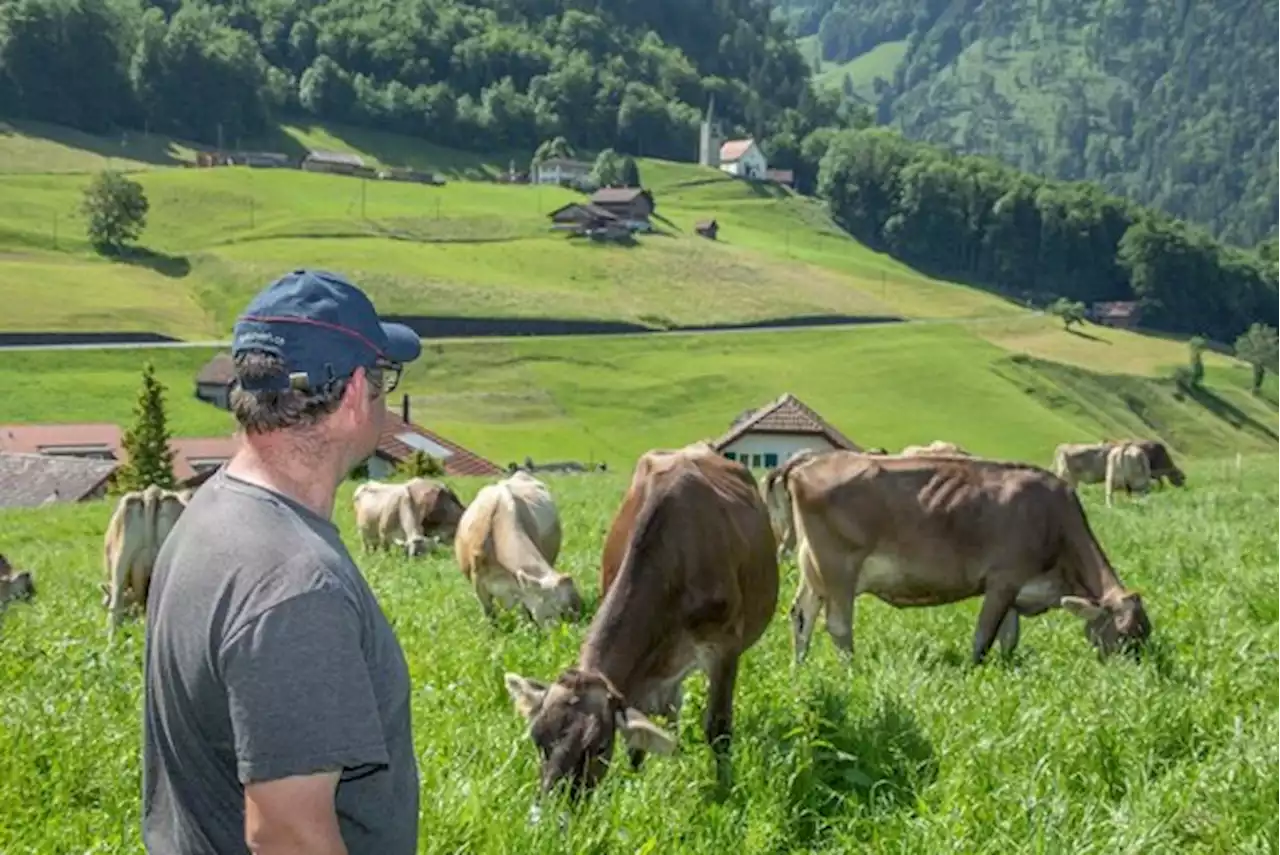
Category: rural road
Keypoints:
(839, 327)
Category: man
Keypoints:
(276, 694)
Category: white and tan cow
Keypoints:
(928, 531)
(137, 529)
(412, 515)
(507, 544)
(1081, 462)
(1128, 469)
(936, 448)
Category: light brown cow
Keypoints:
(933, 449)
(1081, 462)
(689, 576)
(928, 531)
(138, 527)
(409, 515)
(1128, 469)
(507, 544)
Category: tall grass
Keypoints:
(908, 750)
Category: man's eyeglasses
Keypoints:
(385, 376)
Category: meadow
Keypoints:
(907, 749)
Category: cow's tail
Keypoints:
(777, 494)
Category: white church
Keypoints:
(740, 158)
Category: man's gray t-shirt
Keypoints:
(266, 656)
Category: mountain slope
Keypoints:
(1172, 105)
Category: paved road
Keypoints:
(180, 345)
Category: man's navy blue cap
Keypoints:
(320, 325)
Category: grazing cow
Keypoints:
(1081, 462)
(406, 515)
(1162, 465)
(507, 544)
(690, 580)
(14, 585)
(928, 531)
(138, 527)
(933, 449)
(1128, 469)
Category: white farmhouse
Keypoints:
(769, 436)
(560, 170)
(743, 159)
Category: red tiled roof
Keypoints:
(84, 439)
(734, 149)
(786, 415)
(1115, 308)
(461, 462)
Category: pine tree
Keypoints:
(147, 442)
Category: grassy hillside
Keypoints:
(908, 750)
(215, 236)
(610, 398)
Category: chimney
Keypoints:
(404, 407)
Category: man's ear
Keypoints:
(527, 695)
(1082, 608)
(641, 734)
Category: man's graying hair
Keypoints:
(264, 410)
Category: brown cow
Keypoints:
(690, 580)
(1162, 465)
(929, 531)
(137, 529)
(407, 515)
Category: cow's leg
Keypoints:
(842, 603)
(995, 605)
(807, 604)
(718, 722)
(1008, 632)
(486, 602)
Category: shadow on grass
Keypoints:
(126, 145)
(1224, 409)
(878, 758)
(173, 266)
(1087, 336)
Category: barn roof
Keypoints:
(31, 480)
(336, 157)
(400, 439)
(787, 414)
(732, 150)
(619, 195)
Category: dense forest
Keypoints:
(1172, 104)
(978, 220)
(498, 74)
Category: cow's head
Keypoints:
(1112, 626)
(558, 600)
(1175, 476)
(414, 545)
(573, 721)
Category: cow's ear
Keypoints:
(1082, 608)
(641, 734)
(527, 695)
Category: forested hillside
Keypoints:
(1173, 104)
(493, 75)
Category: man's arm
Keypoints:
(293, 816)
(302, 710)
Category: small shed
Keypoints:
(772, 434)
(213, 383)
(632, 205)
(707, 228)
(337, 163)
(580, 215)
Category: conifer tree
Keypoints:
(147, 442)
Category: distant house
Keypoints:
(33, 480)
(213, 383)
(337, 163)
(401, 438)
(103, 442)
(579, 216)
(707, 228)
(781, 176)
(1123, 314)
(769, 436)
(744, 159)
(405, 173)
(560, 170)
(632, 205)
